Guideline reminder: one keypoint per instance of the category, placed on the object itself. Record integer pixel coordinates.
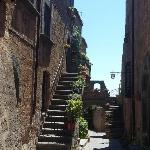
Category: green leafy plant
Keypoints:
(81, 68)
(83, 128)
(75, 107)
(71, 9)
(78, 85)
(84, 57)
(76, 38)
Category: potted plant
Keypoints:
(83, 128)
(74, 111)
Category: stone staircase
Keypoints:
(54, 134)
(114, 122)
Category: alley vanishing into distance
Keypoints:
(48, 99)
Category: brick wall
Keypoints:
(59, 35)
(18, 126)
(16, 93)
(142, 50)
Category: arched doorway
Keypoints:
(97, 86)
(146, 101)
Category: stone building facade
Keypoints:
(136, 85)
(17, 47)
(32, 57)
(126, 67)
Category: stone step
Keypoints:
(54, 138)
(56, 112)
(52, 146)
(57, 107)
(68, 78)
(54, 133)
(116, 122)
(63, 92)
(48, 131)
(114, 117)
(113, 135)
(54, 125)
(69, 74)
(58, 102)
(108, 112)
(58, 96)
(62, 87)
(56, 119)
(114, 106)
(109, 125)
(65, 83)
(117, 131)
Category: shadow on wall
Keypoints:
(16, 77)
(2, 17)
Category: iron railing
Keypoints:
(57, 75)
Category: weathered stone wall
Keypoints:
(19, 127)
(127, 58)
(60, 32)
(16, 67)
(142, 49)
(10, 137)
(142, 38)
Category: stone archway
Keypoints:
(146, 100)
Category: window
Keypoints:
(47, 13)
(24, 21)
(46, 17)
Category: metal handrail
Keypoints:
(57, 75)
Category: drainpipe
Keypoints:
(35, 65)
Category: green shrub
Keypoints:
(75, 107)
(83, 128)
(78, 85)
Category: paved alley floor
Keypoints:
(97, 142)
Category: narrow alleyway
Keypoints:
(99, 142)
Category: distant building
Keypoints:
(98, 96)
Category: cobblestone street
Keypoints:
(97, 142)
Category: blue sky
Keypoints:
(104, 25)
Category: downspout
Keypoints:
(35, 62)
(36, 55)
